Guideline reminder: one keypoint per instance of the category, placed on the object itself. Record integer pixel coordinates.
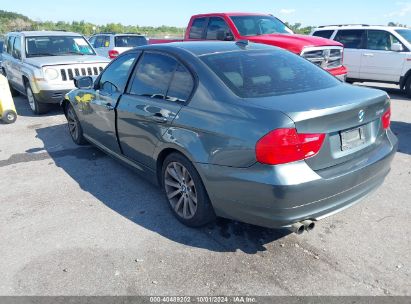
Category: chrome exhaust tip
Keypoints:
(308, 225)
(297, 228)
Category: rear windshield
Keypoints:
(268, 73)
(129, 41)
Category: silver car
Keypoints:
(42, 65)
(111, 45)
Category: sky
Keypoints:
(178, 12)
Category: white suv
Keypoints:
(111, 45)
(374, 53)
(43, 64)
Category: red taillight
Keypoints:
(286, 145)
(386, 119)
(112, 54)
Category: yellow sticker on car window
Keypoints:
(107, 43)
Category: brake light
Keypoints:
(386, 119)
(282, 146)
(113, 54)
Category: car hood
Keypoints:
(292, 42)
(64, 60)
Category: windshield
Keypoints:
(252, 74)
(130, 41)
(57, 46)
(406, 34)
(259, 25)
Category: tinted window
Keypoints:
(102, 41)
(351, 39)
(259, 25)
(153, 76)
(17, 48)
(10, 42)
(129, 41)
(216, 25)
(323, 34)
(196, 31)
(2, 44)
(114, 78)
(380, 40)
(92, 40)
(268, 73)
(181, 85)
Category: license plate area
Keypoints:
(353, 138)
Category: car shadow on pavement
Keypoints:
(23, 108)
(403, 131)
(123, 191)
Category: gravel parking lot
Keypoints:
(75, 222)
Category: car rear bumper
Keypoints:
(52, 96)
(278, 196)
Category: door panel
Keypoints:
(100, 117)
(352, 60)
(378, 61)
(160, 87)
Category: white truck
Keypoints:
(373, 53)
(42, 65)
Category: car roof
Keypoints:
(45, 33)
(357, 27)
(201, 48)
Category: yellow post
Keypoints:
(8, 111)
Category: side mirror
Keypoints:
(84, 83)
(224, 35)
(397, 47)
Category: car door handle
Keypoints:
(368, 54)
(109, 106)
(158, 117)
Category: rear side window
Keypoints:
(252, 74)
(196, 31)
(324, 34)
(153, 76)
(102, 41)
(114, 78)
(10, 42)
(351, 39)
(17, 48)
(182, 84)
(129, 41)
(215, 26)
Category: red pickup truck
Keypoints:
(266, 29)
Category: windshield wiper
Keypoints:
(41, 54)
(73, 53)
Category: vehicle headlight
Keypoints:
(51, 74)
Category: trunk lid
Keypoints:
(349, 116)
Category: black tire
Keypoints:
(9, 116)
(189, 188)
(407, 87)
(36, 106)
(74, 126)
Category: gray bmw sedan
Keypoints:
(243, 131)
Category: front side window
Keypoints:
(215, 26)
(268, 73)
(129, 41)
(380, 40)
(196, 31)
(259, 25)
(114, 78)
(57, 46)
(324, 34)
(351, 39)
(17, 48)
(153, 75)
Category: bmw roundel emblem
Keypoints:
(361, 115)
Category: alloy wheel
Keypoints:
(72, 123)
(180, 189)
(30, 98)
